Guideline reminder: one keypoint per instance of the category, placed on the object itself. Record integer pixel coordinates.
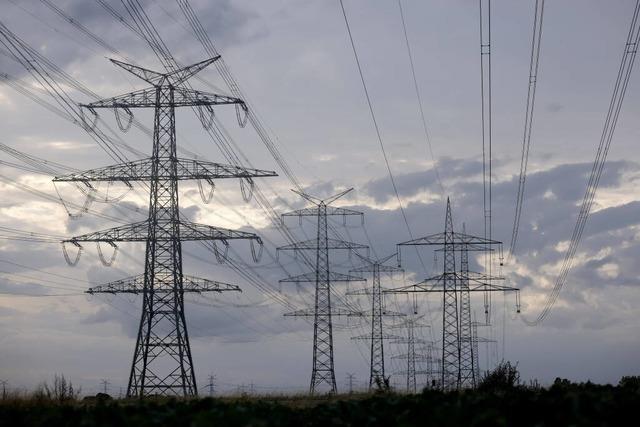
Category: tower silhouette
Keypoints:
(323, 372)
(377, 336)
(162, 362)
(452, 283)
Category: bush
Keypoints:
(504, 377)
(630, 382)
(60, 391)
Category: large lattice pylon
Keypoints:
(162, 362)
(377, 337)
(323, 372)
(449, 283)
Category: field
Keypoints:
(562, 404)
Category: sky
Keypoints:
(294, 63)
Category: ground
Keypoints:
(562, 404)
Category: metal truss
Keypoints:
(377, 364)
(411, 356)
(143, 170)
(323, 376)
(162, 362)
(457, 361)
(139, 232)
(135, 285)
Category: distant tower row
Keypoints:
(457, 364)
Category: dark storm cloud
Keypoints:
(226, 24)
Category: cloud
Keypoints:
(294, 64)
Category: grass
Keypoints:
(494, 404)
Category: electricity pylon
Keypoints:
(211, 385)
(411, 356)
(449, 283)
(428, 351)
(475, 341)
(377, 336)
(323, 367)
(467, 357)
(162, 362)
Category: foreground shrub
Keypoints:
(60, 391)
(504, 377)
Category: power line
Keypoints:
(419, 98)
(528, 119)
(135, 122)
(485, 99)
(375, 121)
(613, 113)
(149, 33)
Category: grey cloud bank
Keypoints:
(293, 61)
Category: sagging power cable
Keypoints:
(611, 119)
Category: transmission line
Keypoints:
(419, 99)
(373, 118)
(611, 119)
(486, 104)
(528, 119)
(150, 34)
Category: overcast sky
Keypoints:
(294, 62)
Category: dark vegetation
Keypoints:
(500, 400)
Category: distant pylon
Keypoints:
(411, 356)
(105, 385)
(476, 353)
(476, 341)
(449, 284)
(323, 372)
(467, 372)
(162, 362)
(211, 385)
(377, 336)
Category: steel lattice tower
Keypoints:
(377, 336)
(323, 372)
(450, 283)
(162, 362)
(476, 340)
(468, 376)
(450, 322)
(411, 356)
(476, 353)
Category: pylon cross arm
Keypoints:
(456, 239)
(135, 285)
(146, 98)
(481, 283)
(176, 77)
(330, 211)
(312, 277)
(310, 312)
(312, 244)
(142, 170)
(184, 97)
(383, 337)
(139, 232)
(194, 231)
(179, 76)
